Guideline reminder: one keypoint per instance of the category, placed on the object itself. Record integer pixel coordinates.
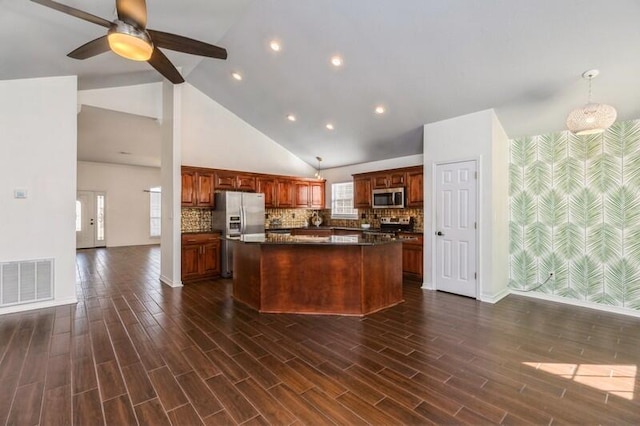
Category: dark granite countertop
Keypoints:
(334, 240)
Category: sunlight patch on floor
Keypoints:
(619, 380)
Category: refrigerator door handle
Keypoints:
(243, 222)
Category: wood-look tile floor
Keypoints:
(133, 351)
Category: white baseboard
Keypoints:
(581, 303)
(37, 305)
(427, 286)
(170, 282)
(496, 297)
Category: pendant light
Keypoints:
(318, 175)
(592, 118)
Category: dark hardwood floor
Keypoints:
(133, 351)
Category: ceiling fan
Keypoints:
(128, 37)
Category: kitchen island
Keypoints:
(335, 275)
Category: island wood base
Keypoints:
(318, 279)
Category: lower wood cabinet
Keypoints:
(200, 256)
(412, 256)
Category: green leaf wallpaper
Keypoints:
(575, 212)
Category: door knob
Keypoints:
(439, 233)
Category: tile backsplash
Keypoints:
(199, 220)
(196, 220)
(373, 217)
(301, 217)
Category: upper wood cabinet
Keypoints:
(301, 192)
(362, 192)
(285, 193)
(316, 194)
(197, 188)
(415, 187)
(392, 179)
(267, 185)
(234, 181)
(411, 178)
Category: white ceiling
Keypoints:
(425, 60)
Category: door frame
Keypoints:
(434, 259)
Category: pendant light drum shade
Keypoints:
(592, 118)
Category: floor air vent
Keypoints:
(26, 281)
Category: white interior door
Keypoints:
(456, 223)
(90, 219)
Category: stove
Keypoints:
(393, 224)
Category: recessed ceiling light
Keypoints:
(124, 152)
(236, 75)
(329, 126)
(380, 109)
(291, 117)
(275, 46)
(336, 61)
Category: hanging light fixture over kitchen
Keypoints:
(318, 175)
(591, 118)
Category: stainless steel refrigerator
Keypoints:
(236, 214)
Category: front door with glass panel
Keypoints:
(90, 219)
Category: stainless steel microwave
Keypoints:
(388, 198)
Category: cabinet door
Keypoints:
(380, 181)
(412, 256)
(189, 197)
(396, 179)
(205, 189)
(267, 186)
(210, 260)
(190, 261)
(285, 193)
(225, 180)
(301, 194)
(415, 189)
(316, 192)
(246, 183)
(362, 193)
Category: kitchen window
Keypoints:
(342, 201)
(155, 198)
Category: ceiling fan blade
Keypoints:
(74, 12)
(164, 66)
(132, 12)
(187, 45)
(93, 48)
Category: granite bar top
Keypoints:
(332, 240)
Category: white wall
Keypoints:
(170, 264)
(127, 215)
(38, 154)
(474, 136)
(344, 174)
(214, 137)
(141, 99)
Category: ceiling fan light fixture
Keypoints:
(130, 42)
(592, 118)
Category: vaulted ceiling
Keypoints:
(423, 60)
